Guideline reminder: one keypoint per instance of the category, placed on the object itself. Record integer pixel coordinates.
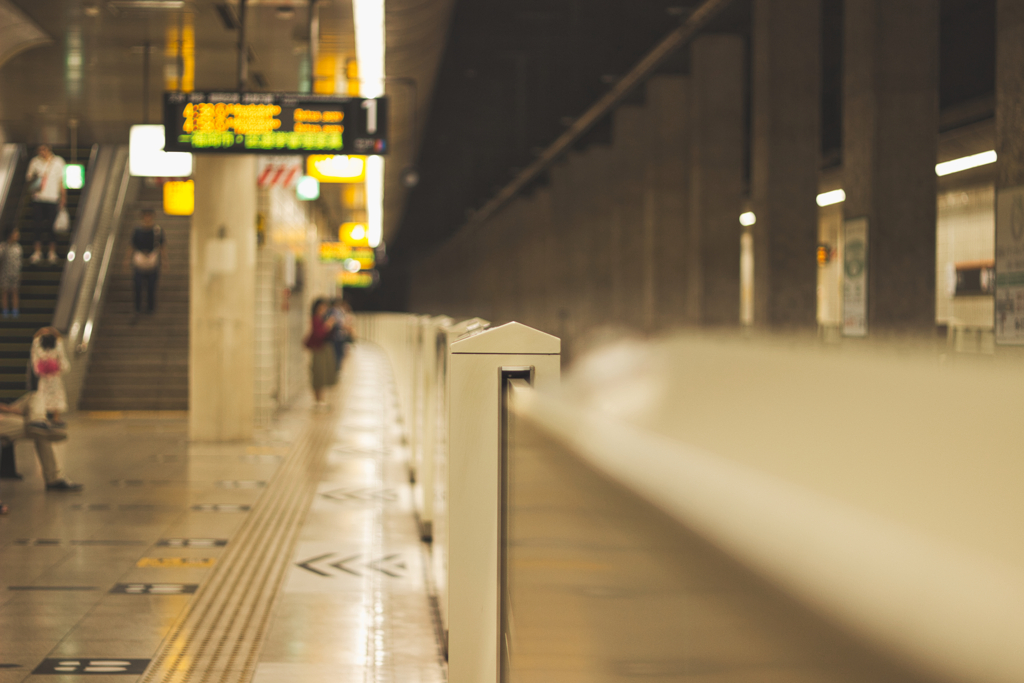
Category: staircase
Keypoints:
(141, 362)
(39, 285)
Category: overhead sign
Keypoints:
(262, 123)
(362, 258)
(337, 168)
(358, 280)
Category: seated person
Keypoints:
(50, 453)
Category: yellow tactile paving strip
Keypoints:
(218, 635)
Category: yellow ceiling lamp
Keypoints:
(336, 168)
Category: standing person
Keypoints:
(323, 372)
(147, 254)
(340, 334)
(49, 362)
(10, 273)
(46, 183)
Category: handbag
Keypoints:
(146, 261)
(62, 223)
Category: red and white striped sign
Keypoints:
(279, 171)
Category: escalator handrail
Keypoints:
(108, 254)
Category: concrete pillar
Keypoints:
(603, 228)
(668, 99)
(786, 150)
(222, 299)
(1009, 170)
(716, 180)
(630, 146)
(890, 134)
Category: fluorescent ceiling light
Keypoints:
(747, 219)
(830, 198)
(146, 155)
(964, 163)
(374, 200)
(368, 16)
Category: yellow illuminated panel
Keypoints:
(336, 168)
(334, 251)
(354, 234)
(361, 279)
(364, 256)
(179, 197)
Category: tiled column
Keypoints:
(222, 299)
(716, 180)
(890, 133)
(786, 154)
(630, 146)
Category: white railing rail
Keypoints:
(870, 546)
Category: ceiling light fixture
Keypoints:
(964, 163)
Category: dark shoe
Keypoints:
(63, 485)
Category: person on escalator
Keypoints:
(45, 178)
(147, 254)
(10, 273)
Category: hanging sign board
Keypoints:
(855, 277)
(266, 123)
(358, 280)
(1009, 321)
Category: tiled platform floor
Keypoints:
(79, 582)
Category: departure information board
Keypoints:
(265, 123)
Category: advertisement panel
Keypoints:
(855, 277)
(1009, 309)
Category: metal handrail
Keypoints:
(101, 279)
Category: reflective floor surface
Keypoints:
(92, 582)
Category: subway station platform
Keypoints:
(294, 557)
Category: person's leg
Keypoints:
(51, 216)
(138, 279)
(5, 301)
(51, 458)
(151, 289)
(38, 228)
(15, 302)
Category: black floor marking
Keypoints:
(155, 588)
(52, 588)
(192, 542)
(85, 541)
(389, 565)
(221, 507)
(89, 666)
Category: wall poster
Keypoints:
(855, 277)
(1009, 309)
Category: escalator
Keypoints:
(40, 283)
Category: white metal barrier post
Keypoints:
(447, 334)
(481, 363)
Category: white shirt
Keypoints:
(52, 173)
